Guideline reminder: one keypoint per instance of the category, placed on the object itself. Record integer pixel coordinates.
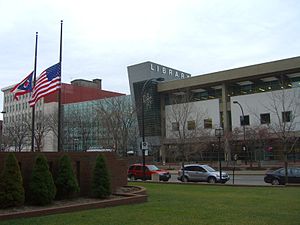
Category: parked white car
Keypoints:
(196, 173)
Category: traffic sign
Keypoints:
(144, 145)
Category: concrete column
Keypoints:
(162, 152)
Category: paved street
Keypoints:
(247, 180)
(256, 178)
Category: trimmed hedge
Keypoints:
(11, 184)
(42, 189)
(66, 182)
(101, 179)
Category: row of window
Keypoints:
(17, 107)
(10, 97)
(235, 89)
(20, 106)
(264, 119)
(23, 117)
(191, 125)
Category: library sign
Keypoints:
(168, 71)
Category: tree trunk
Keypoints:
(285, 164)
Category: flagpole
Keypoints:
(59, 145)
(34, 78)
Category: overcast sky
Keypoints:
(102, 38)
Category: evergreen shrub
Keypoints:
(66, 182)
(101, 179)
(11, 183)
(42, 189)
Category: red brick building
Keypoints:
(80, 91)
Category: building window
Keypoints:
(175, 126)
(191, 125)
(244, 121)
(265, 118)
(286, 116)
(208, 123)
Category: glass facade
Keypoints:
(80, 126)
(152, 117)
(259, 85)
(84, 127)
(193, 96)
(235, 89)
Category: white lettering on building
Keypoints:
(170, 72)
(151, 67)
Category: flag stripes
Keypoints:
(48, 82)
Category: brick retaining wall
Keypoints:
(83, 165)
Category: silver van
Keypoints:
(197, 173)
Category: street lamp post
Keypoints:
(146, 84)
(244, 129)
(219, 132)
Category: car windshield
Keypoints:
(208, 168)
(280, 171)
(152, 167)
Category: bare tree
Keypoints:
(5, 142)
(79, 124)
(117, 118)
(264, 140)
(258, 136)
(53, 122)
(233, 138)
(284, 104)
(41, 129)
(17, 131)
(185, 126)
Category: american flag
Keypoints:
(25, 86)
(48, 82)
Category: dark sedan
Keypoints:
(278, 176)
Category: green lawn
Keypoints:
(170, 204)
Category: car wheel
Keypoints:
(275, 182)
(211, 180)
(132, 177)
(185, 179)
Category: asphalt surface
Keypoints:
(240, 177)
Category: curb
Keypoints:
(136, 197)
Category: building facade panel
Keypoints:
(204, 114)
(251, 87)
(269, 103)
